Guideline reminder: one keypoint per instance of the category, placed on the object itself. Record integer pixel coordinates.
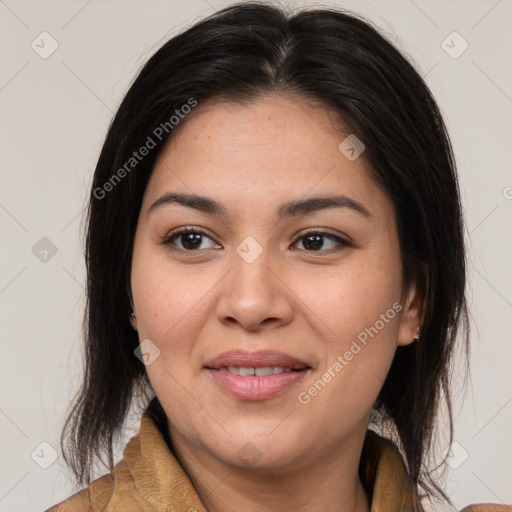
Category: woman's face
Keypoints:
(272, 269)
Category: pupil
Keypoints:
(192, 239)
(316, 244)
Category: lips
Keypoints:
(256, 375)
(262, 358)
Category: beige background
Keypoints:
(55, 113)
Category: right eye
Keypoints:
(190, 239)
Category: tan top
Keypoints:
(150, 479)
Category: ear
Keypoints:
(133, 321)
(412, 315)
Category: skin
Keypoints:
(308, 303)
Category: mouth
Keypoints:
(258, 371)
(256, 375)
(262, 360)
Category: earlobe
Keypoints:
(412, 316)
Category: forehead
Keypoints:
(271, 148)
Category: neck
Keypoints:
(330, 483)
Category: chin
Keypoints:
(259, 452)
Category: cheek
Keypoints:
(168, 295)
(355, 296)
(361, 306)
(169, 313)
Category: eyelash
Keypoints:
(168, 239)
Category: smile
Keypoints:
(259, 371)
(257, 383)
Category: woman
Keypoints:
(275, 263)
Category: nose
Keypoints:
(255, 295)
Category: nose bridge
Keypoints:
(252, 293)
(251, 278)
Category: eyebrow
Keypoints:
(286, 210)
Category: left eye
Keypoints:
(314, 241)
(190, 240)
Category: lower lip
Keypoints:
(256, 388)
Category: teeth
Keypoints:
(261, 371)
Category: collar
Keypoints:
(161, 481)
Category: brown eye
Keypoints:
(314, 241)
(188, 240)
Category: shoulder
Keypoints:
(91, 499)
(386, 473)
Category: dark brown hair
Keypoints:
(343, 62)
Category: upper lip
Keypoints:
(247, 359)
